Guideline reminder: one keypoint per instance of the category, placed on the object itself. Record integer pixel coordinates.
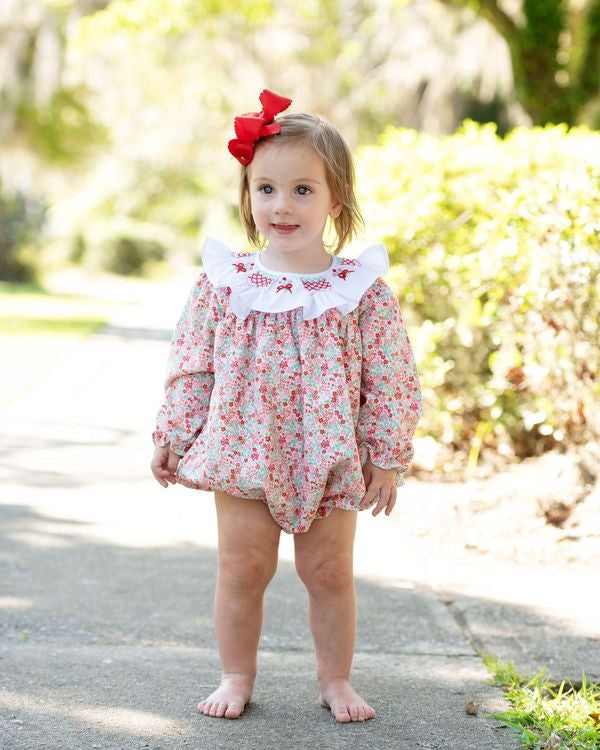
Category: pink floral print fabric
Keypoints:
(273, 407)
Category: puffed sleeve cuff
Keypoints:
(160, 439)
(366, 451)
(164, 440)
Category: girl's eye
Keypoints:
(303, 190)
(266, 189)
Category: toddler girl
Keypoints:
(292, 393)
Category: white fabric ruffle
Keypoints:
(255, 287)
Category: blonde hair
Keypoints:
(315, 131)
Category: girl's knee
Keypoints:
(329, 575)
(247, 571)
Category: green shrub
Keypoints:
(120, 245)
(496, 252)
(21, 218)
(130, 255)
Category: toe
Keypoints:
(234, 710)
(213, 709)
(361, 713)
(353, 711)
(221, 708)
(341, 714)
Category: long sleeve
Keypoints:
(190, 371)
(390, 393)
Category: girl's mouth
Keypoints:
(285, 228)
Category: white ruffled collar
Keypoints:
(255, 287)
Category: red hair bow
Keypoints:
(253, 126)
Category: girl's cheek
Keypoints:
(261, 201)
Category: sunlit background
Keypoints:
(474, 126)
(475, 129)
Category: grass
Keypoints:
(547, 716)
(28, 310)
(29, 326)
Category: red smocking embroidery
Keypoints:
(315, 285)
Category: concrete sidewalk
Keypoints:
(106, 634)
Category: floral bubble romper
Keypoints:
(279, 384)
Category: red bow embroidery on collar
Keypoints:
(253, 126)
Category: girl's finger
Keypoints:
(173, 462)
(390, 505)
(169, 475)
(159, 479)
(384, 497)
(368, 499)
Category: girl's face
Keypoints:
(290, 198)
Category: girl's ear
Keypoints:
(335, 210)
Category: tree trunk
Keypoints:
(555, 53)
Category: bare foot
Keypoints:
(345, 703)
(229, 699)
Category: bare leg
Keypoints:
(248, 545)
(324, 563)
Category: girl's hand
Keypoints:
(164, 465)
(382, 482)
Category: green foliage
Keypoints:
(545, 715)
(120, 245)
(497, 246)
(537, 59)
(130, 255)
(21, 218)
(590, 67)
(167, 17)
(127, 218)
(63, 131)
(555, 51)
(45, 108)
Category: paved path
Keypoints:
(106, 635)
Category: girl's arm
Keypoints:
(390, 388)
(190, 371)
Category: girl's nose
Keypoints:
(282, 205)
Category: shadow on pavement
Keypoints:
(46, 460)
(111, 646)
(141, 333)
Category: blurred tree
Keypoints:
(165, 76)
(45, 122)
(362, 63)
(21, 218)
(41, 113)
(555, 51)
